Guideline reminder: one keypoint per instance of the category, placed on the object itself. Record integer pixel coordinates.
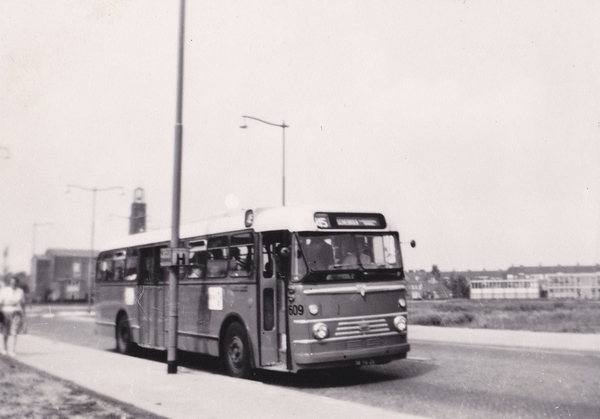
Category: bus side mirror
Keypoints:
(413, 244)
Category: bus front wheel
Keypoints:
(125, 342)
(236, 352)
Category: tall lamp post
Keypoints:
(176, 203)
(94, 190)
(283, 126)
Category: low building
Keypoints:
(574, 285)
(62, 275)
(504, 289)
(517, 282)
(423, 285)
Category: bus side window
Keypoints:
(150, 272)
(272, 261)
(145, 266)
(102, 267)
(218, 255)
(161, 272)
(267, 260)
(131, 265)
(107, 268)
(241, 256)
(118, 265)
(198, 258)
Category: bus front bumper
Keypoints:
(315, 357)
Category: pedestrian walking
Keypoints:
(12, 305)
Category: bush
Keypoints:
(436, 319)
(430, 319)
(459, 318)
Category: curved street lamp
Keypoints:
(283, 126)
(94, 190)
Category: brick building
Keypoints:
(61, 275)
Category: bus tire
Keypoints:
(236, 352)
(125, 344)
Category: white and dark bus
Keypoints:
(284, 289)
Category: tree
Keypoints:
(436, 273)
(459, 286)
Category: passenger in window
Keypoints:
(198, 261)
(322, 254)
(239, 265)
(235, 264)
(216, 266)
(357, 252)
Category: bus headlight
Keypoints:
(320, 331)
(402, 302)
(400, 323)
(313, 309)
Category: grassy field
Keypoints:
(566, 316)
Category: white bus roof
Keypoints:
(292, 218)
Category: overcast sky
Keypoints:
(474, 125)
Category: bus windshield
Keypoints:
(349, 252)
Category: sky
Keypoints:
(474, 125)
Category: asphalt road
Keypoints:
(437, 380)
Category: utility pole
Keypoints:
(174, 270)
(91, 265)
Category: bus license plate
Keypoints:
(364, 362)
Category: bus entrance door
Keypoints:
(269, 295)
(151, 299)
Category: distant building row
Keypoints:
(553, 282)
(61, 275)
(67, 274)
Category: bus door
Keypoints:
(151, 298)
(272, 301)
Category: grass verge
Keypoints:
(567, 316)
(28, 393)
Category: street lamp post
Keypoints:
(94, 190)
(176, 203)
(283, 126)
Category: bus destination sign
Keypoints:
(345, 220)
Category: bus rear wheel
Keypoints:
(125, 344)
(236, 352)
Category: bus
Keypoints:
(284, 289)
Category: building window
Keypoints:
(76, 269)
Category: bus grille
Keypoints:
(365, 343)
(361, 328)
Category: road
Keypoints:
(436, 381)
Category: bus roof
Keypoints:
(292, 218)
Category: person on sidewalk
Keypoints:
(12, 305)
